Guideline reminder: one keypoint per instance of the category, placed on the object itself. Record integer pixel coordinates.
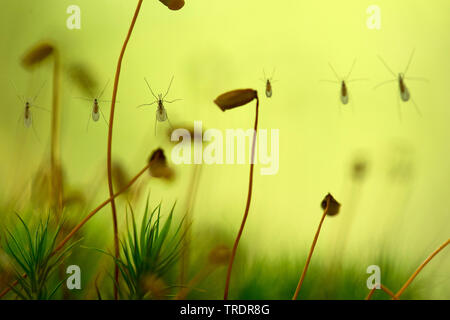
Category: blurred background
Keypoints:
(391, 175)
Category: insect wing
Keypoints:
(95, 115)
(161, 114)
(405, 94)
(344, 99)
(27, 121)
(268, 89)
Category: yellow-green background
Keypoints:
(213, 46)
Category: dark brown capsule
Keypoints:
(37, 54)
(173, 4)
(158, 165)
(330, 204)
(235, 98)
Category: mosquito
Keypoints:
(268, 82)
(404, 92)
(161, 112)
(28, 104)
(96, 110)
(343, 91)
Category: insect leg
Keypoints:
(40, 108)
(387, 67)
(170, 124)
(89, 119)
(409, 62)
(352, 102)
(35, 132)
(399, 108)
(383, 83)
(416, 106)
(19, 120)
(146, 104)
(171, 101)
(329, 81)
(103, 116)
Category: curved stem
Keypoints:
(371, 292)
(187, 222)
(83, 222)
(55, 165)
(382, 287)
(389, 292)
(247, 207)
(407, 283)
(184, 291)
(109, 162)
(308, 260)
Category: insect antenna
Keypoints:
(409, 62)
(273, 73)
(334, 71)
(150, 89)
(351, 69)
(20, 97)
(170, 84)
(83, 98)
(101, 93)
(330, 81)
(38, 92)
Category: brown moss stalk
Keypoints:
(247, 206)
(308, 260)
(201, 275)
(422, 265)
(330, 207)
(382, 287)
(33, 58)
(55, 147)
(109, 160)
(187, 222)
